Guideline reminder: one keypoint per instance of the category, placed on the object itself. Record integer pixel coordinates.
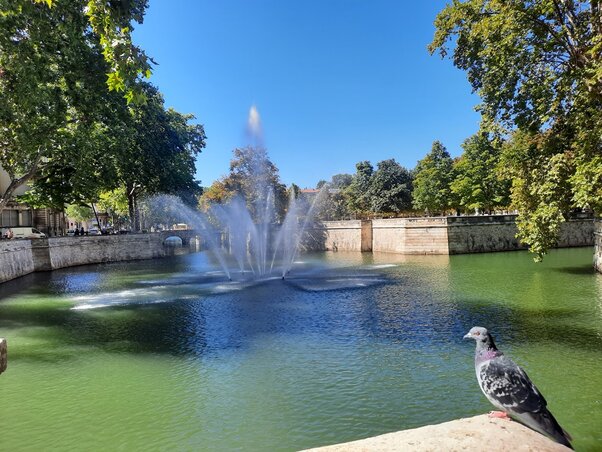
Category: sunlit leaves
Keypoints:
(537, 66)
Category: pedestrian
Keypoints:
(9, 233)
(81, 231)
(76, 233)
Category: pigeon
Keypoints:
(509, 389)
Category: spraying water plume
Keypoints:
(254, 129)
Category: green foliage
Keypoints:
(114, 202)
(112, 22)
(341, 181)
(390, 188)
(79, 213)
(537, 66)
(540, 187)
(478, 184)
(332, 205)
(358, 191)
(61, 130)
(432, 179)
(252, 176)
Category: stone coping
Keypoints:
(477, 433)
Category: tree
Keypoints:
(254, 177)
(159, 150)
(390, 188)
(357, 191)
(55, 106)
(540, 185)
(217, 193)
(432, 179)
(112, 22)
(79, 213)
(341, 181)
(115, 204)
(537, 66)
(478, 183)
(332, 205)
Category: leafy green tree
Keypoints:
(478, 183)
(252, 176)
(217, 193)
(341, 181)
(115, 204)
(432, 179)
(332, 205)
(390, 188)
(79, 213)
(357, 193)
(540, 185)
(56, 115)
(112, 22)
(293, 190)
(158, 151)
(537, 66)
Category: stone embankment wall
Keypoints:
(598, 252)
(438, 235)
(16, 259)
(20, 257)
(410, 235)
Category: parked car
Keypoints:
(27, 233)
(93, 231)
(71, 232)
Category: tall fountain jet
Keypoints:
(248, 236)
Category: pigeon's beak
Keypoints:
(467, 336)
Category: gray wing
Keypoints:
(510, 386)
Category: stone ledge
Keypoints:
(475, 433)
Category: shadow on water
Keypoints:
(581, 270)
(206, 327)
(384, 307)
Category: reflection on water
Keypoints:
(169, 353)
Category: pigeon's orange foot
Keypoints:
(499, 415)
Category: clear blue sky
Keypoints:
(335, 81)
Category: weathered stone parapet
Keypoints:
(598, 248)
(3, 355)
(16, 259)
(475, 433)
(438, 235)
(410, 235)
(72, 251)
(334, 236)
(20, 257)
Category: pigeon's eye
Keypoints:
(477, 333)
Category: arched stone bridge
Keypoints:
(186, 235)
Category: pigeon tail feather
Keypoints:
(545, 423)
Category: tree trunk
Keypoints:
(136, 214)
(131, 205)
(17, 182)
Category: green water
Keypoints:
(166, 354)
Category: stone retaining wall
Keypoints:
(20, 257)
(438, 235)
(71, 251)
(410, 235)
(334, 236)
(16, 259)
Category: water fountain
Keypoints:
(247, 234)
(246, 245)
